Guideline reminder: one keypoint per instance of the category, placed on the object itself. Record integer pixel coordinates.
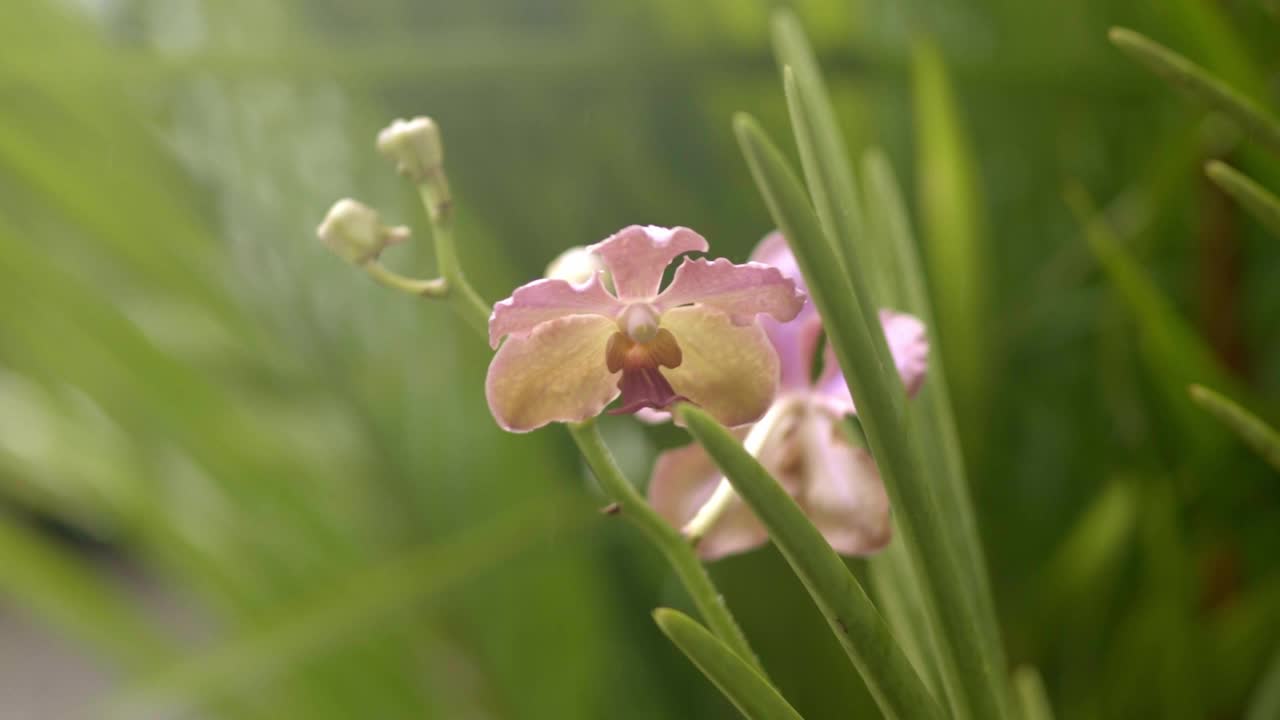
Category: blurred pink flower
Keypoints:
(571, 349)
(799, 440)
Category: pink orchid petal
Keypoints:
(831, 389)
(638, 255)
(555, 373)
(773, 250)
(541, 300)
(741, 291)
(796, 342)
(909, 346)
(730, 370)
(683, 480)
(841, 491)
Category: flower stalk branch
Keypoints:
(415, 146)
(438, 202)
(435, 288)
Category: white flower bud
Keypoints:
(575, 265)
(353, 231)
(414, 145)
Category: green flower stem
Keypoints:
(854, 620)
(745, 688)
(438, 201)
(678, 552)
(435, 288)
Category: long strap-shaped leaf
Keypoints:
(928, 532)
(745, 688)
(831, 181)
(1178, 70)
(857, 624)
(870, 266)
(1256, 199)
(1266, 698)
(953, 232)
(1032, 698)
(1252, 430)
(887, 222)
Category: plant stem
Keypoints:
(678, 552)
(438, 201)
(435, 288)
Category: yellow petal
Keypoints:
(730, 370)
(557, 373)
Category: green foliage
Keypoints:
(1253, 197)
(1252, 430)
(748, 691)
(274, 488)
(854, 620)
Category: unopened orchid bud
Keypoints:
(575, 265)
(414, 145)
(354, 231)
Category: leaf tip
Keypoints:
(1123, 37)
(1198, 393)
(1216, 169)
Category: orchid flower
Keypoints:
(799, 440)
(572, 348)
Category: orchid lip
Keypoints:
(644, 388)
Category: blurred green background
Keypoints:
(239, 480)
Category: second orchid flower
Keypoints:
(799, 440)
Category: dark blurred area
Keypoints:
(237, 479)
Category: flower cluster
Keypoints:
(742, 341)
(800, 440)
(739, 340)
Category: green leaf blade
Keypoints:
(928, 532)
(1266, 697)
(1259, 201)
(854, 620)
(1258, 435)
(743, 686)
(888, 220)
(953, 233)
(1181, 72)
(1032, 697)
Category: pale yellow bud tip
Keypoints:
(414, 145)
(354, 231)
